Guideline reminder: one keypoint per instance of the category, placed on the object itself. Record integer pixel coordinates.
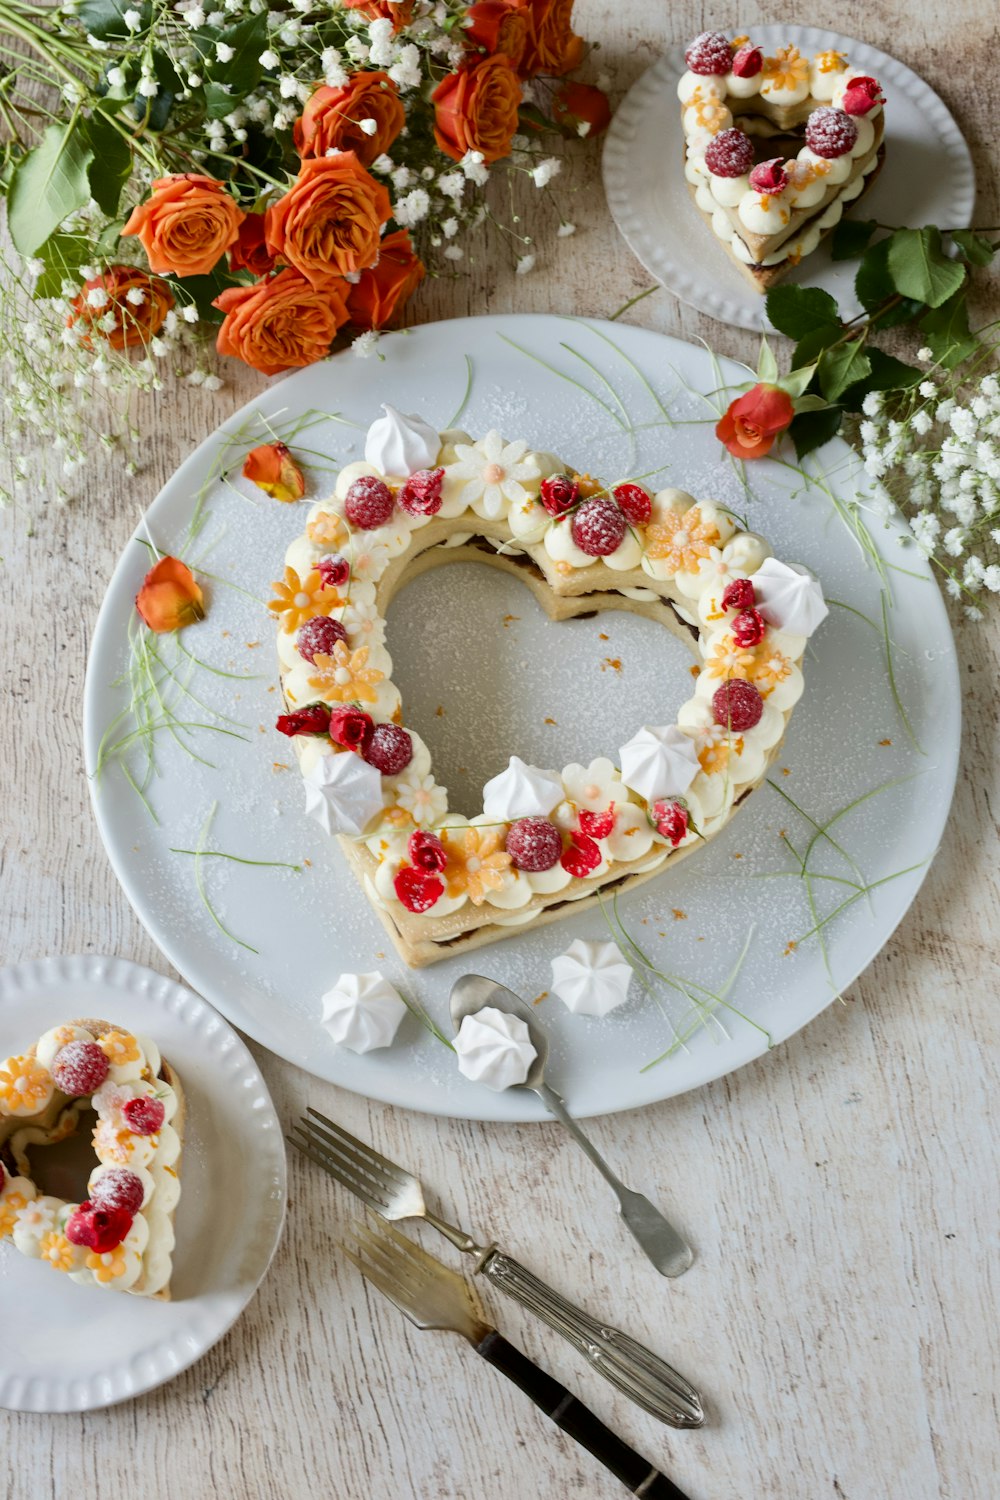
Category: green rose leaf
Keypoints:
(850, 238)
(809, 348)
(49, 183)
(948, 335)
(63, 255)
(841, 367)
(811, 429)
(978, 250)
(106, 18)
(246, 41)
(873, 285)
(797, 310)
(919, 267)
(887, 374)
(111, 167)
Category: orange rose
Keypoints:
(332, 118)
(475, 109)
(498, 26)
(328, 222)
(750, 424)
(378, 296)
(552, 46)
(250, 253)
(272, 469)
(186, 224)
(135, 321)
(398, 12)
(169, 598)
(576, 104)
(281, 323)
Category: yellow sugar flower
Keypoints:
(109, 1265)
(57, 1250)
(770, 668)
(681, 541)
(298, 599)
(112, 1144)
(344, 677)
(327, 530)
(713, 749)
(785, 70)
(119, 1047)
(711, 114)
(830, 62)
(10, 1207)
(476, 863)
(730, 660)
(25, 1086)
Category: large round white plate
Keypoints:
(71, 1348)
(927, 179)
(482, 674)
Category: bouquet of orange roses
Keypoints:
(268, 176)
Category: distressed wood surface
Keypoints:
(841, 1192)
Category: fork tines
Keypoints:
(371, 1177)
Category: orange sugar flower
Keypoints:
(119, 1047)
(25, 1086)
(297, 600)
(770, 667)
(785, 70)
(327, 529)
(56, 1249)
(272, 469)
(10, 1207)
(112, 1144)
(681, 540)
(730, 660)
(344, 676)
(476, 863)
(109, 1265)
(170, 599)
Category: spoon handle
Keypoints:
(663, 1244)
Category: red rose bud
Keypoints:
(581, 857)
(351, 727)
(597, 825)
(670, 819)
(426, 851)
(739, 594)
(769, 176)
(576, 104)
(559, 494)
(748, 61)
(861, 95)
(421, 494)
(753, 421)
(748, 628)
(334, 570)
(417, 890)
(98, 1229)
(312, 720)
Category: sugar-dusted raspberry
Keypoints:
(421, 494)
(426, 850)
(581, 857)
(79, 1068)
(320, 634)
(144, 1116)
(749, 628)
(670, 819)
(737, 705)
(739, 594)
(389, 750)
(635, 503)
(830, 132)
(861, 95)
(559, 493)
(368, 502)
(98, 1229)
(710, 53)
(747, 61)
(598, 825)
(416, 889)
(118, 1188)
(598, 527)
(729, 154)
(334, 570)
(534, 844)
(769, 176)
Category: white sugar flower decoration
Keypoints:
(363, 623)
(422, 798)
(493, 471)
(594, 787)
(368, 564)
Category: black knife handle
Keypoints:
(569, 1414)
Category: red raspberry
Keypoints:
(320, 634)
(709, 53)
(861, 95)
(144, 1116)
(368, 502)
(739, 594)
(737, 705)
(99, 1229)
(748, 61)
(534, 844)
(421, 494)
(559, 493)
(79, 1068)
(670, 819)
(426, 851)
(598, 526)
(830, 132)
(118, 1189)
(729, 154)
(634, 502)
(769, 176)
(417, 890)
(312, 720)
(598, 825)
(581, 857)
(334, 570)
(351, 727)
(389, 749)
(748, 628)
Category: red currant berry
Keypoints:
(389, 750)
(118, 1188)
(830, 132)
(710, 53)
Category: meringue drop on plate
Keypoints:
(399, 444)
(789, 597)
(494, 1048)
(522, 791)
(362, 1011)
(590, 978)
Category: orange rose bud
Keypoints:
(186, 224)
(575, 104)
(332, 118)
(329, 222)
(753, 421)
(170, 598)
(552, 45)
(281, 323)
(399, 12)
(498, 26)
(475, 109)
(250, 253)
(376, 299)
(272, 469)
(135, 322)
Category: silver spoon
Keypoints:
(666, 1248)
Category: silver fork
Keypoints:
(394, 1193)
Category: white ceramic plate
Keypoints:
(927, 179)
(72, 1348)
(472, 643)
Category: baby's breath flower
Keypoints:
(366, 344)
(525, 264)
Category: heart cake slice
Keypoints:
(547, 842)
(776, 147)
(122, 1237)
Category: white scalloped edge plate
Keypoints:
(71, 1348)
(928, 178)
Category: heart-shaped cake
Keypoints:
(121, 1238)
(744, 113)
(546, 842)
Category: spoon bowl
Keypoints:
(473, 993)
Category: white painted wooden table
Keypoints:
(841, 1192)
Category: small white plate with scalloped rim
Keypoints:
(928, 178)
(71, 1348)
